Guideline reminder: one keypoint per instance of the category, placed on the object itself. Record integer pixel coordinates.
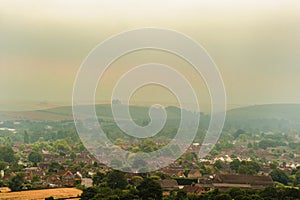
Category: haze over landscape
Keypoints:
(63, 138)
(254, 44)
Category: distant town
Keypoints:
(48, 155)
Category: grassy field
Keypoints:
(41, 194)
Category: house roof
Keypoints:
(68, 172)
(244, 179)
(53, 176)
(194, 172)
(195, 189)
(168, 183)
(228, 185)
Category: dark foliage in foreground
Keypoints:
(150, 189)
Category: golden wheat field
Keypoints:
(41, 194)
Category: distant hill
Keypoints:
(269, 117)
(271, 111)
(65, 113)
(264, 117)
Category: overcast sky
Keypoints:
(255, 44)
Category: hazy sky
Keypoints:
(255, 44)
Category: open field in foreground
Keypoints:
(41, 194)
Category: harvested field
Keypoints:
(41, 194)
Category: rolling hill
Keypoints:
(65, 113)
(269, 117)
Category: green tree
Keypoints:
(3, 165)
(73, 155)
(264, 144)
(238, 133)
(149, 189)
(274, 164)
(55, 167)
(16, 182)
(106, 193)
(136, 180)
(35, 157)
(62, 145)
(35, 178)
(98, 177)
(243, 169)
(235, 192)
(279, 176)
(205, 170)
(7, 154)
(269, 193)
(290, 193)
(218, 165)
(297, 178)
(181, 195)
(248, 167)
(26, 137)
(116, 179)
(89, 193)
(223, 197)
(129, 195)
(148, 145)
(8, 141)
(235, 164)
